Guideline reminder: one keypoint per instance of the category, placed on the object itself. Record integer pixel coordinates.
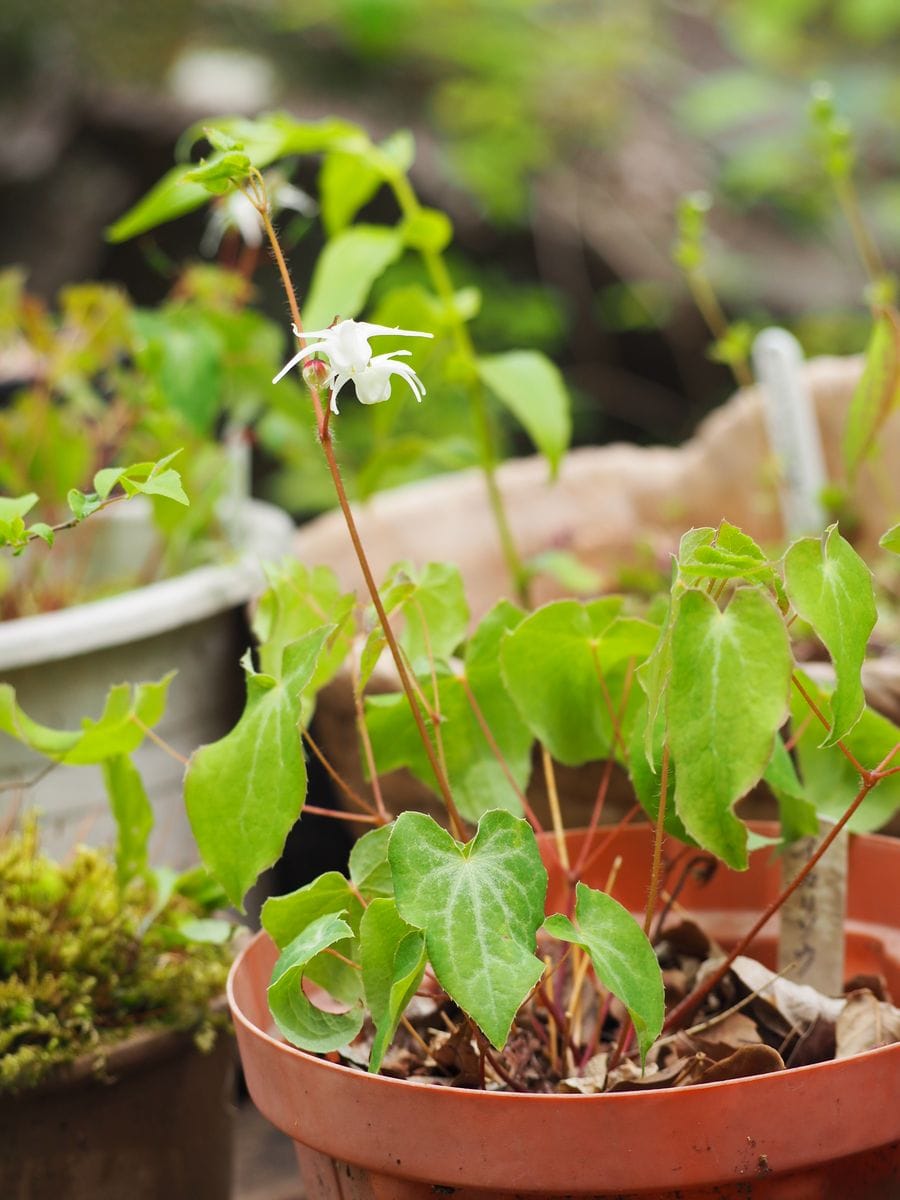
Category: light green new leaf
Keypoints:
(532, 388)
(479, 905)
(831, 780)
(723, 553)
(467, 697)
(13, 507)
(621, 955)
(297, 601)
(284, 917)
(300, 1021)
(433, 602)
(118, 729)
(552, 665)
(727, 697)
(392, 956)
(831, 588)
(346, 269)
(133, 814)
(244, 792)
(891, 540)
(370, 870)
(346, 183)
(877, 394)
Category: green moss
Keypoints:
(84, 965)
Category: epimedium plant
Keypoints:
(690, 698)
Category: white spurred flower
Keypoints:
(350, 360)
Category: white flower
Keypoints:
(235, 211)
(350, 360)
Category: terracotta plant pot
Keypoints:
(158, 1125)
(824, 1132)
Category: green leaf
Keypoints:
(300, 1021)
(532, 388)
(346, 184)
(831, 781)
(653, 675)
(347, 267)
(877, 394)
(621, 955)
(133, 814)
(173, 196)
(297, 601)
(727, 697)
(479, 905)
(478, 780)
(552, 665)
(167, 484)
(370, 869)
(12, 507)
(392, 956)
(264, 139)
(645, 772)
(82, 505)
(830, 587)
(244, 792)
(433, 602)
(891, 540)
(118, 730)
(796, 812)
(284, 917)
(723, 553)
(221, 172)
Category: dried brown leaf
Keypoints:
(865, 1024)
(748, 1060)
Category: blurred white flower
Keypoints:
(350, 360)
(235, 212)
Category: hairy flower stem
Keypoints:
(361, 557)
(443, 286)
(707, 302)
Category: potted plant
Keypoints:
(449, 933)
(139, 588)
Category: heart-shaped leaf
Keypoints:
(479, 905)
(727, 697)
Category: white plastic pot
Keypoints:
(63, 663)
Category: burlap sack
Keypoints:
(612, 506)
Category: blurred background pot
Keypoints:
(827, 1131)
(63, 663)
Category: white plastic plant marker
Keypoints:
(793, 430)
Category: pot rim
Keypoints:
(266, 533)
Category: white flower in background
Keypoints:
(350, 360)
(235, 212)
